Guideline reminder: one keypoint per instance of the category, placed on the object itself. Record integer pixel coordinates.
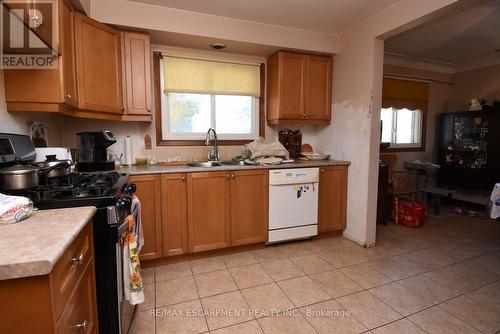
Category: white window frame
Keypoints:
(165, 112)
(417, 129)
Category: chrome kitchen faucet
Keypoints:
(213, 155)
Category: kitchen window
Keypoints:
(403, 114)
(197, 94)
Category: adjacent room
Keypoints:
(257, 167)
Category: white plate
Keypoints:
(316, 156)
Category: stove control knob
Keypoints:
(129, 188)
(124, 205)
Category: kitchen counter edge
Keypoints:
(158, 169)
(33, 246)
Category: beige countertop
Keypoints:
(157, 169)
(33, 246)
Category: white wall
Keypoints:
(357, 90)
(126, 13)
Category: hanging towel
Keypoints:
(495, 200)
(136, 212)
(132, 277)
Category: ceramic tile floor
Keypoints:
(441, 278)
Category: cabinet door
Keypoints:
(149, 193)
(292, 82)
(318, 87)
(136, 73)
(68, 55)
(80, 315)
(98, 65)
(332, 198)
(208, 211)
(174, 214)
(249, 206)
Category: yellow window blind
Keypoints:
(408, 94)
(184, 75)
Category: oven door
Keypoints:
(127, 311)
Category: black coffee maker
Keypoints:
(92, 151)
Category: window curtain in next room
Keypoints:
(401, 94)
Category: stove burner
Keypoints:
(77, 185)
(79, 193)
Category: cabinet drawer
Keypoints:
(70, 268)
(80, 315)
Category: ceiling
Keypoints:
(463, 37)
(330, 16)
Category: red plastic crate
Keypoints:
(410, 213)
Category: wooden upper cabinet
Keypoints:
(208, 202)
(249, 206)
(136, 69)
(332, 198)
(87, 82)
(299, 88)
(149, 193)
(318, 87)
(98, 63)
(67, 50)
(292, 79)
(174, 214)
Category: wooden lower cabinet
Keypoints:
(249, 206)
(208, 203)
(62, 302)
(80, 315)
(332, 198)
(149, 193)
(174, 214)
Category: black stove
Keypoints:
(108, 192)
(105, 189)
(99, 189)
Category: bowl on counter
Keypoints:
(315, 155)
(141, 160)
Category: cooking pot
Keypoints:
(52, 167)
(18, 176)
(24, 176)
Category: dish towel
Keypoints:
(495, 199)
(259, 148)
(132, 278)
(136, 212)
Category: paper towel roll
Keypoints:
(128, 151)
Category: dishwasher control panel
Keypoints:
(293, 176)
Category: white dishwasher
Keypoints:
(293, 203)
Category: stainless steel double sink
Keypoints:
(209, 164)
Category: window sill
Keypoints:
(222, 142)
(402, 149)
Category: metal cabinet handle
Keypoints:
(227, 176)
(67, 96)
(83, 326)
(321, 170)
(232, 176)
(122, 108)
(148, 109)
(183, 178)
(78, 259)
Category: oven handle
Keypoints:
(122, 227)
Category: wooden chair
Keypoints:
(399, 188)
